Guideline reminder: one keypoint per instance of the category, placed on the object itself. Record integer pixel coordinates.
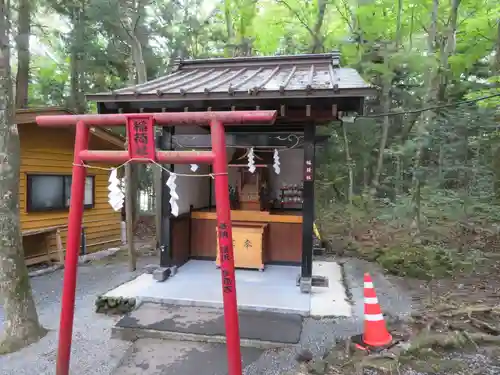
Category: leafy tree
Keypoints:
(21, 326)
(417, 156)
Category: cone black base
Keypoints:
(358, 341)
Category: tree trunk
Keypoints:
(137, 56)
(386, 106)
(497, 50)
(398, 25)
(21, 326)
(23, 53)
(448, 48)
(76, 62)
(398, 186)
(229, 28)
(430, 78)
(317, 38)
(132, 171)
(350, 188)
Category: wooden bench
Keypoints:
(40, 239)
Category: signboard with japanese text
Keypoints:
(225, 255)
(141, 138)
(308, 170)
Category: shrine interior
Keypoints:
(266, 204)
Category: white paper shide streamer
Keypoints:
(116, 198)
(276, 165)
(251, 161)
(194, 167)
(174, 207)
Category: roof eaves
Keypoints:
(42, 110)
(314, 93)
(108, 136)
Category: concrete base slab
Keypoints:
(198, 283)
(260, 329)
(330, 300)
(161, 357)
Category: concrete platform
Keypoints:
(198, 283)
(162, 357)
(332, 300)
(260, 329)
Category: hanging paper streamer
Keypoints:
(174, 207)
(276, 165)
(251, 160)
(194, 167)
(115, 195)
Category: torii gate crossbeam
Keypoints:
(141, 148)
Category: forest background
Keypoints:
(413, 184)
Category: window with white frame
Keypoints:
(53, 192)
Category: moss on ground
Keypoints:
(421, 262)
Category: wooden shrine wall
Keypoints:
(283, 243)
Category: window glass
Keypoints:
(46, 193)
(89, 191)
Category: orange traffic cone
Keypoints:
(375, 333)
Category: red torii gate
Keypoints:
(141, 148)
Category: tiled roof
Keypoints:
(316, 75)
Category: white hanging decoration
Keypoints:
(251, 160)
(174, 207)
(276, 165)
(194, 167)
(115, 195)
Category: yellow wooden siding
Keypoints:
(50, 151)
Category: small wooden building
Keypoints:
(44, 189)
(272, 213)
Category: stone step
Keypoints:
(258, 329)
(319, 250)
(318, 281)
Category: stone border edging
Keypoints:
(82, 259)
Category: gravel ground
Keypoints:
(93, 352)
(320, 335)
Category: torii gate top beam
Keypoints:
(162, 119)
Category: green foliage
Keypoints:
(420, 262)
(439, 167)
(49, 85)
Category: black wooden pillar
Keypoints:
(166, 143)
(308, 208)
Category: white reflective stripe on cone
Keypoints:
(371, 300)
(368, 284)
(374, 317)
